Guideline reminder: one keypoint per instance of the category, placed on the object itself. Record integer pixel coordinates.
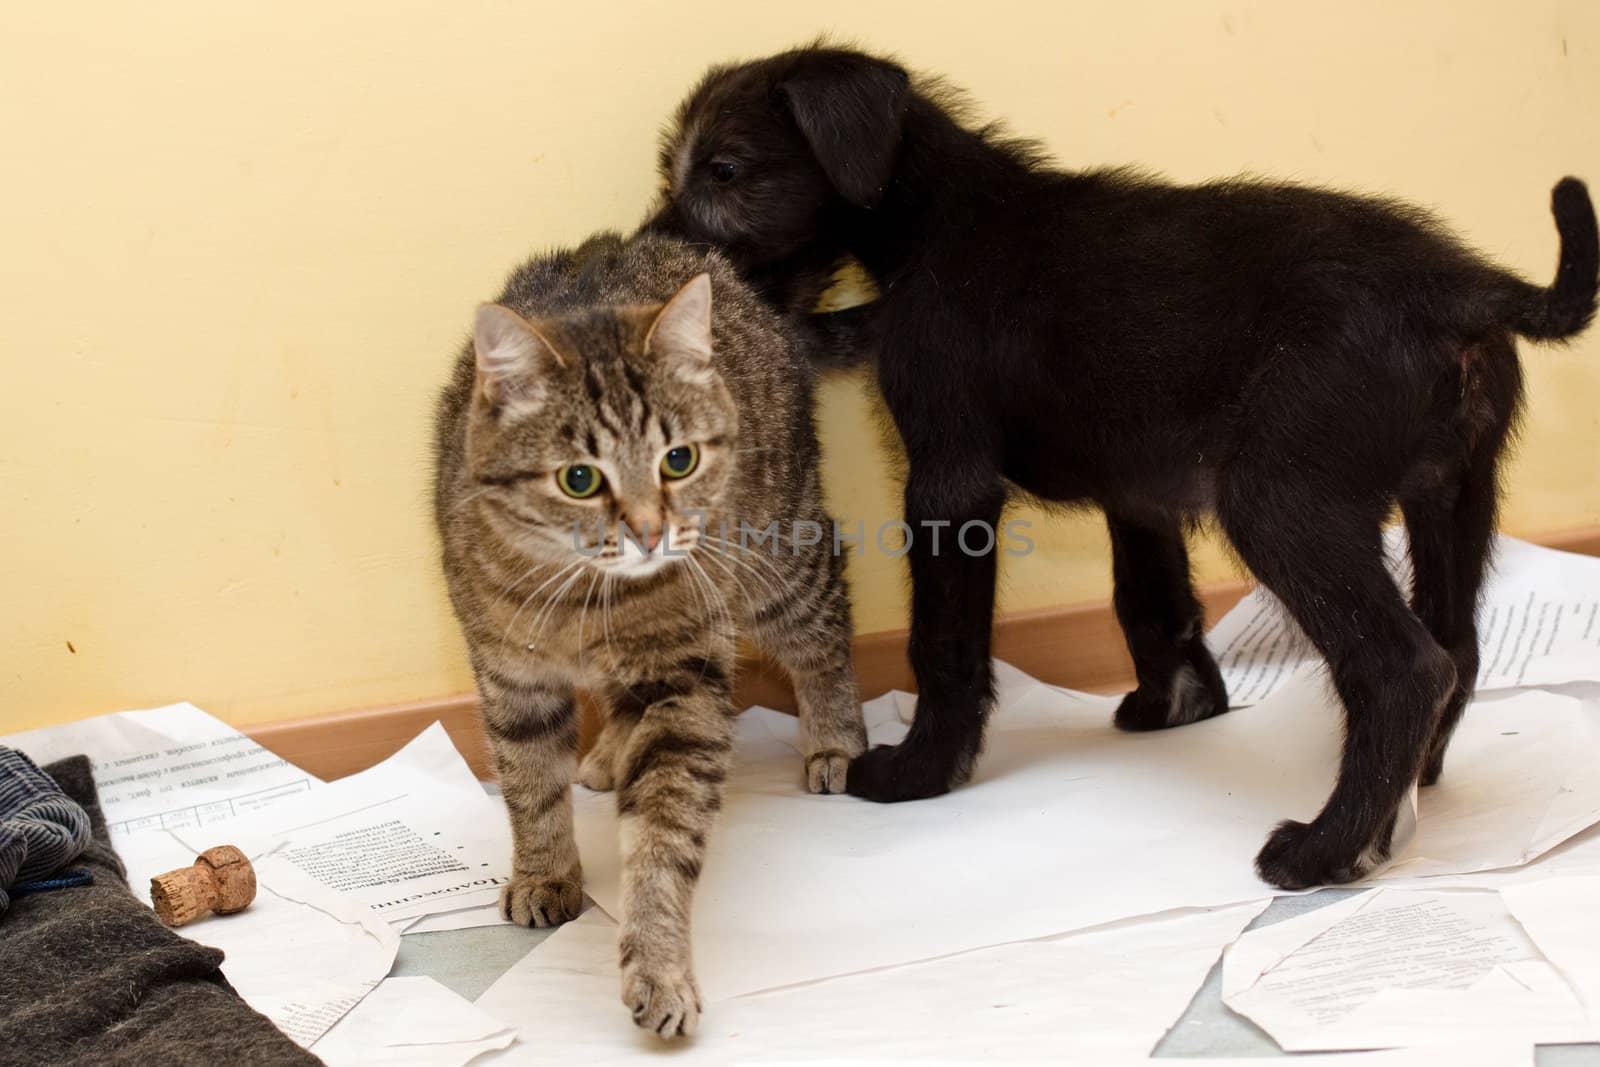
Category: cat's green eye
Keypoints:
(579, 480)
(680, 462)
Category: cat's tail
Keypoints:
(1567, 307)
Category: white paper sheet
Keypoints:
(1521, 777)
(413, 1022)
(460, 919)
(1068, 824)
(1112, 991)
(1539, 624)
(1488, 1053)
(168, 767)
(1578, 855)
(414, 835)
(300, 954)
(1477, 1054)
(1400, 968)
(1562, 916)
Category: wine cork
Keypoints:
(221, 880)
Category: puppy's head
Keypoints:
(763, 156)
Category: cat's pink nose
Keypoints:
(647, 531)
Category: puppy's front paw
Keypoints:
(1298, 856)
(826, 771)
(664, 1000)
(538, 901)
(890, 773)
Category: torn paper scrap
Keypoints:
(1106, 992)
(1397, 968)
(1538, 624)
(1081, 824)
(1520, 778)
(1562, 916)
(1579, 854)
(1487, 1053)
(413, 1022)
(301, 954)
(460, 919)
(168, 767)
(414, 835)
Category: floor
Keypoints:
(468, 961)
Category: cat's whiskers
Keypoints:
(605, 612)
(716, 590)
(469, 498)
(765, 536)
(583, 613)
(754, 562)
(693, 585)
(701, 577)
(529, 573)
(726, 563)
(548, 611)
(766, 571)
(561, 572)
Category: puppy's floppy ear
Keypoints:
(848, 107)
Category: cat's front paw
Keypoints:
(542, 901)
(665, 1000)
(826, 771)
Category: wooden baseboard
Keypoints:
(1079, 647)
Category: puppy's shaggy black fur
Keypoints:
(1293, 360)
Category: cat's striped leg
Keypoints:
(598, 769)
(809, 636)
(669, 790)
(832, 731)
(533, 736)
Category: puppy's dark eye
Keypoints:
(723, 172)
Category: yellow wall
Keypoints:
(239, 243)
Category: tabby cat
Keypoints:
(622, 415)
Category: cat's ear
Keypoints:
(512, 355)
(683, 327)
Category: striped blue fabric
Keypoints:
(41, 829)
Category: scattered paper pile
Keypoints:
(341, 870)
(1403, 968)
(1538, 623)
(1064, 906)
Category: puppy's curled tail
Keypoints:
(1566, 308)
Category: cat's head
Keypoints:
(605, 436)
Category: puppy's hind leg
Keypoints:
(1163, 624)
(1323, 558)
(1450, 523)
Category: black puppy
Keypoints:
(1292, 360)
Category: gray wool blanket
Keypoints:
(89, 975)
